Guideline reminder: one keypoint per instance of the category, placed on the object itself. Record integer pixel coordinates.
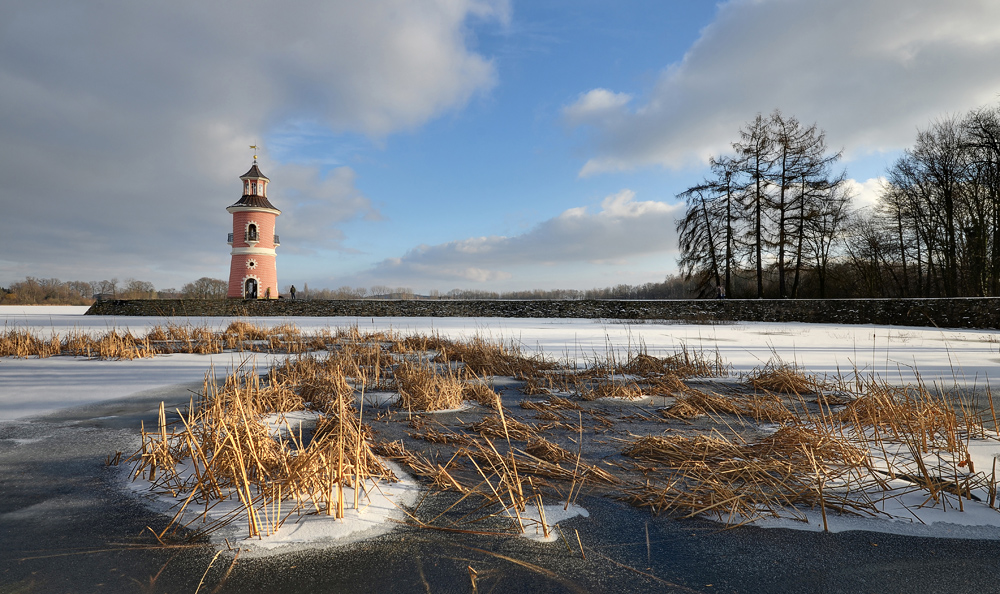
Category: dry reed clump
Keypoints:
(175, 338)
(683, 409)
(234, 454)
(695, 404)
(285, 338)
(913, 416)
(22, 344)
(112, 345)
(611, 389)
(743, 482)
(321, 382)
(782, 378)
(485, 357)
(366, 355)
(674, 451)
(503, 427)
(421, 388)
(574, 473)
(684, 363)
(563, 403)
(391, 450)
(543, 449)
(242, 330)
(536, 385)
(668, 385)
(427, 433)
(123, 346)
(368, 364)
(420, 343)
(798, 443)
(476, 391)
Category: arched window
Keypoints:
(252, 232)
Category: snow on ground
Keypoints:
(380, 506)
(33, 387)
(895, 353)
(899, 355)
(554, 514)
(904, 508)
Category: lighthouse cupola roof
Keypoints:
(254, 173)
(254, 191)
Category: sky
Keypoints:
(437, 144)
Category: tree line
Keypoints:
(774, 219)
(52, 291)
(672, 287)
(936, 229)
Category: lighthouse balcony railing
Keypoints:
(251, 237)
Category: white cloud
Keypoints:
(312, 206)
(622, 230)
(865, 193)
(595, 104)
(867, 71)
(124, 125)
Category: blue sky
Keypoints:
(437, 144)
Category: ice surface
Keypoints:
(899, 355)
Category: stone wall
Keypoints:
(945, 313)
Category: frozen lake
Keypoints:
(67, 522)
(897, 354)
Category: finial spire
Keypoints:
(254, 147)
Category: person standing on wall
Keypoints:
(292, 291)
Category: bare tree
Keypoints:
(697, 236)
(205, 288)
(136, 289)
(826, 227)
(755, 158)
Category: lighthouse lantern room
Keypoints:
(252, 273)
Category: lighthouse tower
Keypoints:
(253, 274)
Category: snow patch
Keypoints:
(381, 505)
(554, 514)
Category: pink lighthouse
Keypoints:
(253, 274)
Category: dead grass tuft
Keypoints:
(484, 357)
(543, 449)
(611, 389)
(742, 482)
(782, 378)
(695, 403)
(494, 426)
(421, 388)
(683, 363)
(476, 391)
(236, 454)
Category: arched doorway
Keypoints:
(250, 289)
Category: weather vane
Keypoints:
(254, 147)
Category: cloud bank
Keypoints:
(623, 228)
(124, 125)
(867, 71)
